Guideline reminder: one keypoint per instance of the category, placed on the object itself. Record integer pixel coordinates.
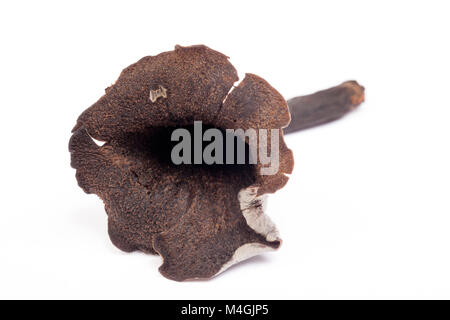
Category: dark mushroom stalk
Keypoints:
(324, 106)
(201, 218)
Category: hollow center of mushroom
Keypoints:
(154, 154)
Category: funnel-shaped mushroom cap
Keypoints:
(200, 218)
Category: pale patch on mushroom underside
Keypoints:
(253, 208)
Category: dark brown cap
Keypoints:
(201, 219)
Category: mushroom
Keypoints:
(199, 218)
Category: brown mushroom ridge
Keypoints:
(199, 218)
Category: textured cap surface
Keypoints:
(199, 218)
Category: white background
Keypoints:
(366, 213)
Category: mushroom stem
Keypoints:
(324, 106)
